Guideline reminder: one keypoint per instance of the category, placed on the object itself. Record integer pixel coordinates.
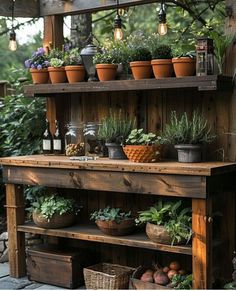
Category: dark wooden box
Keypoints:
(49, 265)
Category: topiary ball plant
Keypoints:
(162, 52)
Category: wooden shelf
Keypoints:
(207, 83)
(92, 233)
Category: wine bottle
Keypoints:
(58, 141)
(47, 140)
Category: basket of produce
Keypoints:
(155, 277)
(107, 276)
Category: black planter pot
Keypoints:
(189, 153)
(115, 151)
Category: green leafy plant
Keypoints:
(162, 52)
(180, 52)
(110, 214)
(107, 55)
(182, 282)
(114, 128)
(47, 206)
(175, 219)
(187, 131)
(140, 54)
(221, 43)
(138, 137)
(56, 58)
(56, 63)
(72, 57)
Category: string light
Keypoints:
(12, 37)
(118, 33)
(162, 26)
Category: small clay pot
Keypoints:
(57, 75)
(106, 72)
(162, 68)
(75, 73)
(39, 76)
(141, 70)
(184, 66)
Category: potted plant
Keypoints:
(167, 223)
(143, 148)
(162, 61)
(184, 63)
(113, 221)
(56, 69)
(114, 130)
(106, 64)
(140, 63)
(188, 136)
(53, 211)
(38, 66)
(75, 71)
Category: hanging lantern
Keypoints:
(205, 56)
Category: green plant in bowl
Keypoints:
(110, 214)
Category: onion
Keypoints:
(160, 278)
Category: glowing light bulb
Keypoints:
(162, 28)
(12, 42)
(118, 34)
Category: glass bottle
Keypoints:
(58, 140)
(74, 140)
(47, 140)
(92, 145)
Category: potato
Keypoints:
(147, 276)
(175, 265)
(171, 274)
(161, 278)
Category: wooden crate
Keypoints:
(49, 265)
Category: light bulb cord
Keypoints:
(117, 6)
(12, 14)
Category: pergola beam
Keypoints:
(22, 8)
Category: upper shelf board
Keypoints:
(206, 83)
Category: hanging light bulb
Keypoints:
(162, 26)
(118, 33)
(12, 41)
(12, 37)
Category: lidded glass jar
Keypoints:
(92, 144)
(74, 140)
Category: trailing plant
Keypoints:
(187, 131)
(110, 214)
(162, 52)
(115, 128)
(138, 137)
(175, 219)
(140, 54)
(47, 206)
(38, 60)
(72, 57)
(221, 43)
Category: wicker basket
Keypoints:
(143, 153)
(107, 276)
(110, 227)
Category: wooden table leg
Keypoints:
(16, 240)
(201, 245)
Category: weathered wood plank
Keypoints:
(169, 185)
(105, 164)
(23, 8)
(202, 244)
(202, 83)
(16, 242)
(92, 233)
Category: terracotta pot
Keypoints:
(162, 68)
(106, 72)
(141, 70)
(57, 75)
(143, 153)
(39, 76)
(184, 66)
(159, 234)
(57, 220)
(75, 73)
(125, 227)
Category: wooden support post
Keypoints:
(202, 244)
(16, 243)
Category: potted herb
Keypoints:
(52, 211)
(140, 63)
(167, 223)
(184, 63)
(162, 61)
(188, 136)
(56, 70)
(141, 147)
(114, 130)
(106, 64)
(75, 71)
(113, 221)
(38, 66)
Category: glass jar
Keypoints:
(92, 145)
(74, 140)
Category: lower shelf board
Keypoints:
(92, 233)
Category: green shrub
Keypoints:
(162, 52)
(110, 214)
(140, 54)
